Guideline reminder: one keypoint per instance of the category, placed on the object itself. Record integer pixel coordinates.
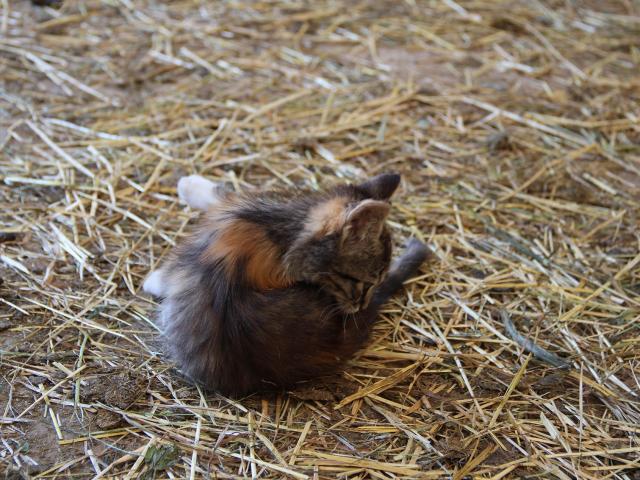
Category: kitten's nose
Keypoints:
(354, 307)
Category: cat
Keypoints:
(276, 287)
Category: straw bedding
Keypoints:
(515, 127)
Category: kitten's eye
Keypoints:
(347, 277)
(345, 288)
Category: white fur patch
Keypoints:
(165, 316)
(155, 284)
(197, 191)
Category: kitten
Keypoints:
(277, 287)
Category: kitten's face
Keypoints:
(356, 270)
(346, 247)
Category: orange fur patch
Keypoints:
(327, 217)
(241, 240)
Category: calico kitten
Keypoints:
(277, 287)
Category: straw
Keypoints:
(516, 128)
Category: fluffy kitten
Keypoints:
(276, 287)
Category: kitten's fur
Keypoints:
(276, 287)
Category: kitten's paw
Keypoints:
(415, 247)
(155, 284)
(197, 191)
(413, 255)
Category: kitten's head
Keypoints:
(345, 246)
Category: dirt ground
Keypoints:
(515, 126)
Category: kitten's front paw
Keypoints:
(155, 284)
(413, 255)
(197, 192)
(415, 247)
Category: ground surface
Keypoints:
(515, 126)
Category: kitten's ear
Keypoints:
(365, 221)
(380, 187)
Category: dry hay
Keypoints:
(515, 125)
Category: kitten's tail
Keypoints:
(402, 269)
